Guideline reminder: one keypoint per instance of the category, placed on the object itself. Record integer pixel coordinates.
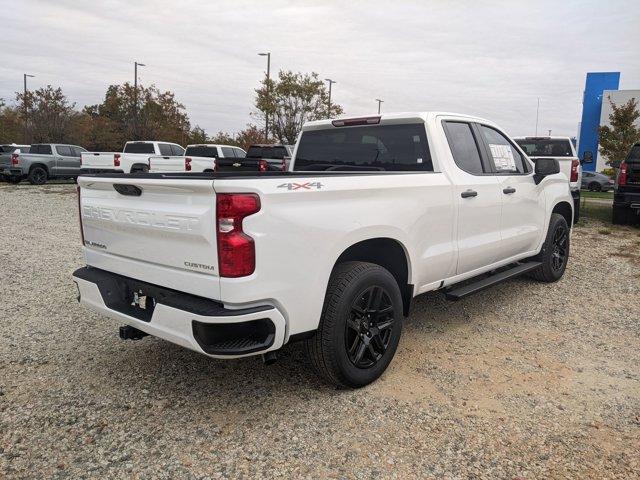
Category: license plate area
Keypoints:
(129, 297)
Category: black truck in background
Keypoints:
(626, 193)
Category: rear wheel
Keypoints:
(360, 325)
(595, 187)
(37, 176)
(555, 251)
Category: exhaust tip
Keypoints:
(269, 358)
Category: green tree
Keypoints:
(197, 135)
(292, 100)
(616, 140)
(11, 126)
(49, 114)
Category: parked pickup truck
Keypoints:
(373, 212)
(626, 193)
(196, 158)
(259, 158)
(562, 149)
(43, 162)
(6, 152)
(133, 159)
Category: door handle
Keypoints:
(469, 193)
(509, 190)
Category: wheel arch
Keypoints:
(389, 254)
(564, 209)
(138, 167)
(40, 164)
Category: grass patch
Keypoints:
(604, 195)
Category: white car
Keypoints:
(562, 149)
(196, 158)
(373, 212)
(133, 159)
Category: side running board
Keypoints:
(456, 293)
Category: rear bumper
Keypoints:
(11, 171)
(197, 323)
(626, 200)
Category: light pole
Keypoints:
(24, 105)
(331, 82)
(135, 98)
(266, 113)
(379, 103)
(537, 112)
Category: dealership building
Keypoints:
(601, 88)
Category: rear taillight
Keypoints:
(263, 165)
(14, 159)
(236, 250)
(116, 160)
(622, 174)
(187, 164)
(575, 165)
(80, 215)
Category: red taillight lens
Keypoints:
(236, 250)
(80, 215)
(622, 174)
(116, 160)
(14, 159)
(187, 164)
(263, 165)
(575, 165)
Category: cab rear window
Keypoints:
(365, 148)
(139, 147)
(202, 151)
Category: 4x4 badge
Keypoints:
(301, 186)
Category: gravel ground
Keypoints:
(520, 381)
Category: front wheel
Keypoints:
(555, 251)
(360, 325)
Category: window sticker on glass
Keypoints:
(502, 157)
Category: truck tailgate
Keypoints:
(161, 231)
(97, 159)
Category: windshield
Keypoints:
(372, 148)
(202, 151)
(256, 151)
(139, 147)
(545, 147)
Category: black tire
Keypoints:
(555, 251)
(37, 175)
(360, 298)
(595, 187)
(620, 216)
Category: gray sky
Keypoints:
(492, 60)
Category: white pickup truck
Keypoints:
(562, 149)
(196, 158)
(133, 159)
(373, 212)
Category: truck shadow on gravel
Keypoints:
(161, 370)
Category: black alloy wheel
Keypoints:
(368, 329)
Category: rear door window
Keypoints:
(228, 152)
(464, 147)
(64, 150)
(506, 158)
(165, 149)
(240, 153)
(76, 151)
(177, 150)
(398, 148)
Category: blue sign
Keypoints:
(596, 83)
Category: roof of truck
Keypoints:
(394, 117)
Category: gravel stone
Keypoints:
(524, 380)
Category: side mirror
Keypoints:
(545, 167)
(587, 157)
